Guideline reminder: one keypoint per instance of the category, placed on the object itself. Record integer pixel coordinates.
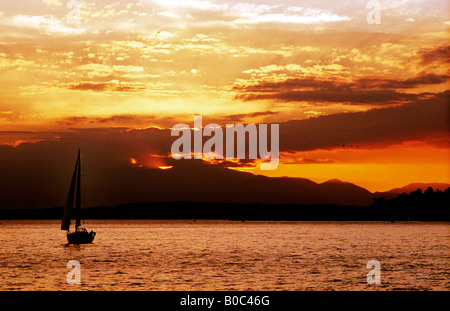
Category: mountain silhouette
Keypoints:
(423, 186)
(48, 180)
(199, 182)
(410, 188)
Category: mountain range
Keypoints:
(198, 182)
(187, 181)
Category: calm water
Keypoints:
(226, 255)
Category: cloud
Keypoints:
(118, 121)
(290, 157)
(374, 97)
(419, 80)
(194, 4)
(420, 120)
(291, 15)
(440, 54)
(52, 2)
(89, 86)
(241, 116)
(112, 86)
(376, 91)
(47, 24)
(251, 13)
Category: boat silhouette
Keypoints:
(80, 235)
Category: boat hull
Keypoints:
(80, 237)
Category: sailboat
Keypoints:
(80, 235)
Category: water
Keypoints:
(226, 255)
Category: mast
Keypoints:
(65, 223)
(78, 197)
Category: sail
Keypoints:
(65, 223)
(78, 197)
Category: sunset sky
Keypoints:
(363, 103)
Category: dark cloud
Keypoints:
(375, 97)
(72, 120)
(421, 120)
(440, 55)
(123, 119)
(15, 132)
(105, 86)
(421, 79)
(296, 83)
(376, 91)
(426, 118)
(89, 86)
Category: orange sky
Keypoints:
(141, 64)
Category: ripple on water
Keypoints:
(222, 255)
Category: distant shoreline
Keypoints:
(240, 212)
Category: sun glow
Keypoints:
(165, 167)
(133, 161)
